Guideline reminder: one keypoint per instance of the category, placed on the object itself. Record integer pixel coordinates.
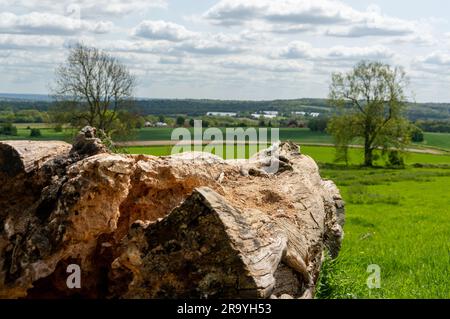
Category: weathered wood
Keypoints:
(190, 225)
(26, 156)
(203, 248)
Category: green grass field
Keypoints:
(299, 135)
(47, 134)
(398, 219)
(439, 140)
(293, 134)
(322, 154)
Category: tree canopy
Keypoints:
(370, 104)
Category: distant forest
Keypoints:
(26, 108)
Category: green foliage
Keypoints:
(417, 134)
(35, 132)
(23, 116)
(58, 128)
(180, 121)
(369, 101)
(439, 126)
(8, 129)
(395, 158)
(318, 124)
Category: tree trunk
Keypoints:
(368, 155)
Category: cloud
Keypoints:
(437, 58)
(293, 16)
(162, 30)
(358, 53)
(384, 27)
(208, 47)
(22, 42)
(86, 8)
(48, 23)
(303, 50)
(261, 64)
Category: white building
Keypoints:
(223, 114)
(161, 124)
(271, 113)
(266, 116)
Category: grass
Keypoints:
(439, 140)
(47, 134)
(408, 237)
(300, 135)
(293, 134)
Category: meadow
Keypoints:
(438, 140)
(398, 219)
(162, 134)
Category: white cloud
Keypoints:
(162, 30)
(261, 64)
(303, 50)
(21, 42)
(208, 47)
(437, 58)
(48, 23)
(293, 16)
(86, 7)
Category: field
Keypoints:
(164, 134)
(398, 219)
(439, 140)
(432, 140)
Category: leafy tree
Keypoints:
(370, 102)
(35, 132)
(93, 87)
(8, 129)
(180, 121)
(191, 122)
(417, 135)
(318, 124)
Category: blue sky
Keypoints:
(230, 49)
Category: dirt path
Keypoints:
(172, 143)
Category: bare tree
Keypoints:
(95, 85)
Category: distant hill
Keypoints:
(25, 97)
(198, 107)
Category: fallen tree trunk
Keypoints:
(26, 156)
(185, 226)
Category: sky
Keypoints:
(230, 49)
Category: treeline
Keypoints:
(23, 116)
(191, 107)
(428, 112)
(434, 126)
